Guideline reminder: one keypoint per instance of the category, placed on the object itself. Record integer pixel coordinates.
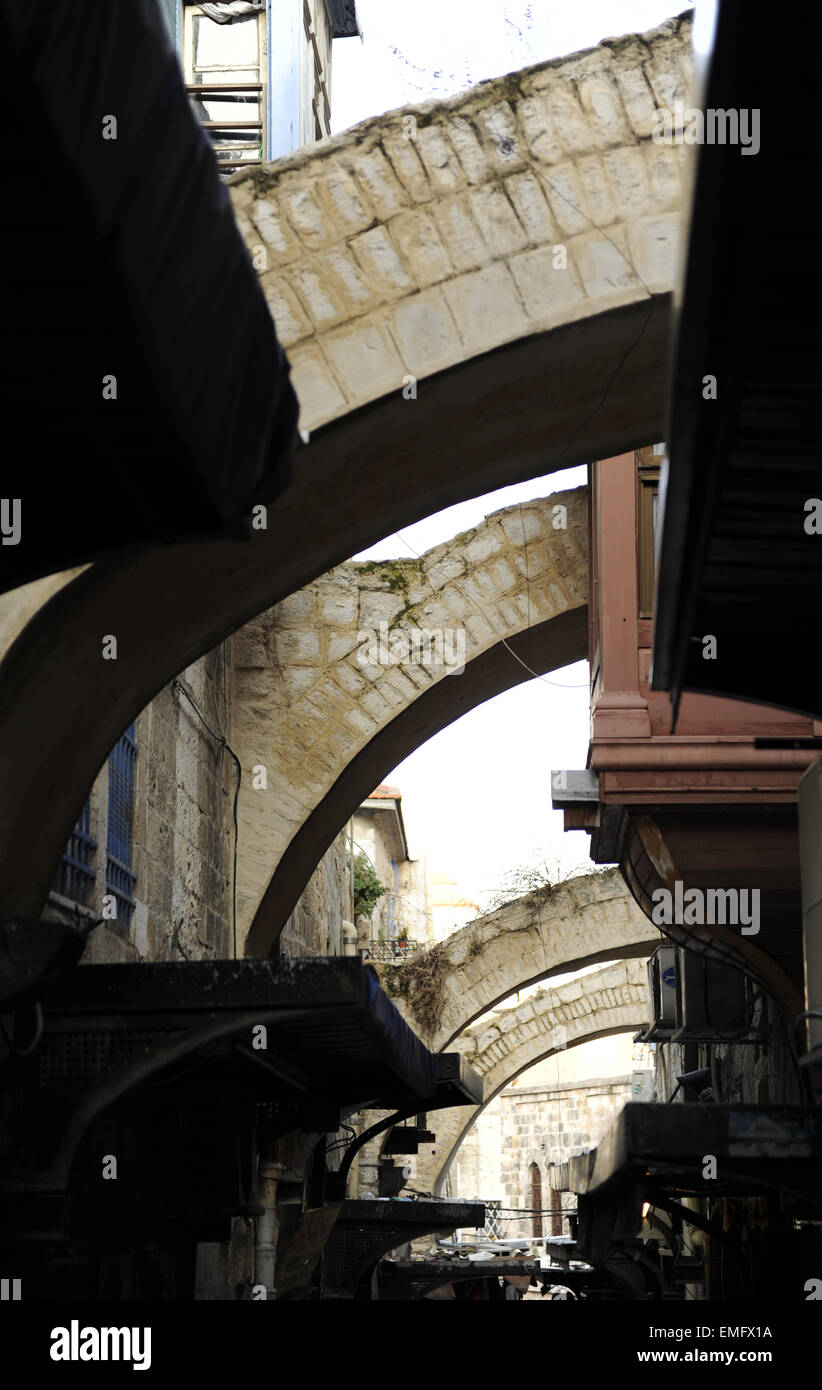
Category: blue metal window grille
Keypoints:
(75, 875)
(120, 878)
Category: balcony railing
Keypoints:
(387, 952)
(236, 143)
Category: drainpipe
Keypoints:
(265, 1242)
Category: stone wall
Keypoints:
(183, 834)
(315, 926)
(546, 1124)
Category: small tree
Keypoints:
(368, 888)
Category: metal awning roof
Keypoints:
(331, 1031)
(150, 395)
(758, 1148)
(736, 560)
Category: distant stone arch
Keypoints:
(582, 921)
(341, 681)
(611, 999)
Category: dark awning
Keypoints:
(343, 18)
(316, 1037)
(366, 1229)
(760, 1148)
(737, 562)
(124, 272)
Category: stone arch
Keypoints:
(521, 373)
(329, 723)
(427, 234)
(612, 999)
(582, 921)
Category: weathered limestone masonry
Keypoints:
(306, 698)
(182, 831)
(426, 236)
(315, 926)
(611, 999)
(579, 922)
(546, 1124)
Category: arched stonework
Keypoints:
(425, 235)
(328, 724)
(579, 922)
(440, 265)
(611, 999)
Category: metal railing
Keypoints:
(75, 875)
(387, 952)
(237, 144)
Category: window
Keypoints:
(648, 466)
(224, 66)
(536, 1200)
(120, 878)
(75, 876)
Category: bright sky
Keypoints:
(476, 798)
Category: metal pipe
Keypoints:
(265, 1236)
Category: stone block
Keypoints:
(408, 166)
(444, 170)
(654, 246)
(365, 361)
(461, 236)
(605, 265)
(628, 176)
(637, 98)
(421, 247)
(567, 198)
(343, 272)
(380, 182)
(317, 391)
(502, 135)
(312, 224)
(598, 196)
(290, 321)
(324, 302)
(345, 200)
(424, 333)
(275, 231)
(497, 220)
(381, 264)
(468, 148)
(540, 136)
(600, 100)
(297, 648)
(528, 199)
(486, 307)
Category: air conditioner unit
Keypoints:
(662, 976)
(714, 1001)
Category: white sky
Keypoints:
(477, 798)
